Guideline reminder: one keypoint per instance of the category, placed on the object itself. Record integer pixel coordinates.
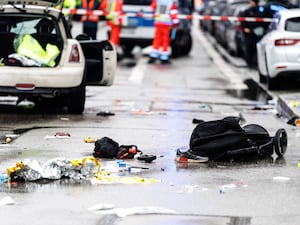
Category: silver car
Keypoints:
(72, 64)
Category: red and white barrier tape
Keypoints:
(181, 16)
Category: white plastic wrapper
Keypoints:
(55, 169)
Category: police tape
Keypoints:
(181, 16)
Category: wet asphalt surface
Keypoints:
(153, 107)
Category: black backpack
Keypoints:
(225, 139)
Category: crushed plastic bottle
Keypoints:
(3, 178)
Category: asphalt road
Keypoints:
(153, 108)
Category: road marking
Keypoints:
(138, 71)
(233, 78)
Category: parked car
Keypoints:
(217, 10)
(140, 29)
(222, 26)
(207, 11)
(65, 76)
(233, 32)
(278, 51)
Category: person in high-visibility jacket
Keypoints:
(113, 11)
(90, 21)
(165, 17)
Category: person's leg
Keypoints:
(115, 35)
(94, 32)
(155, 45)
(164, 57)
(249, 51)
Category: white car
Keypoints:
(278, 52)
(77, 64)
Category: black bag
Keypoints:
(106, 148)
(225, 139)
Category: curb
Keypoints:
(284, 101)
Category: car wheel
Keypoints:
(272, 83)
(262, 78)
(76, 100)
(127, 50)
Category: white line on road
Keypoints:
(234, 78)
(138, 71)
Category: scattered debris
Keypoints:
(61, 135)
(87, 168)
(280, 178)
(295, 121)
(32, 170)
(64, 119)
(7, 201)
(101, 207)
(105, 113)
(89, 139)
(224, 188)
(143, 210)
(147, 158)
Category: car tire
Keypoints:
(262, 78)
(272, 83)
(76, 100)
(127, 50)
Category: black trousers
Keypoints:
(251, 52)
(90, 31)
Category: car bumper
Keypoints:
(36, 92)
(56, 77)
(281, 69)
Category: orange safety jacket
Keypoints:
(113, 10)
(89, 6)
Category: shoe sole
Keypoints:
(183, 159)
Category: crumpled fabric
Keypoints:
(33, 170)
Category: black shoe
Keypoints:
(165, 61)
(151, 60)
(188, 156)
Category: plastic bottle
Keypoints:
(3, 178)
(123, 168)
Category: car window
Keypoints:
(28, 24)
(293, 24)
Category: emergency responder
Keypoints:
(69, 4)
(252, 33)
(90, 22)
(165, 18)
(113, 11)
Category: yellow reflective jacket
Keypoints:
(30, 47)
